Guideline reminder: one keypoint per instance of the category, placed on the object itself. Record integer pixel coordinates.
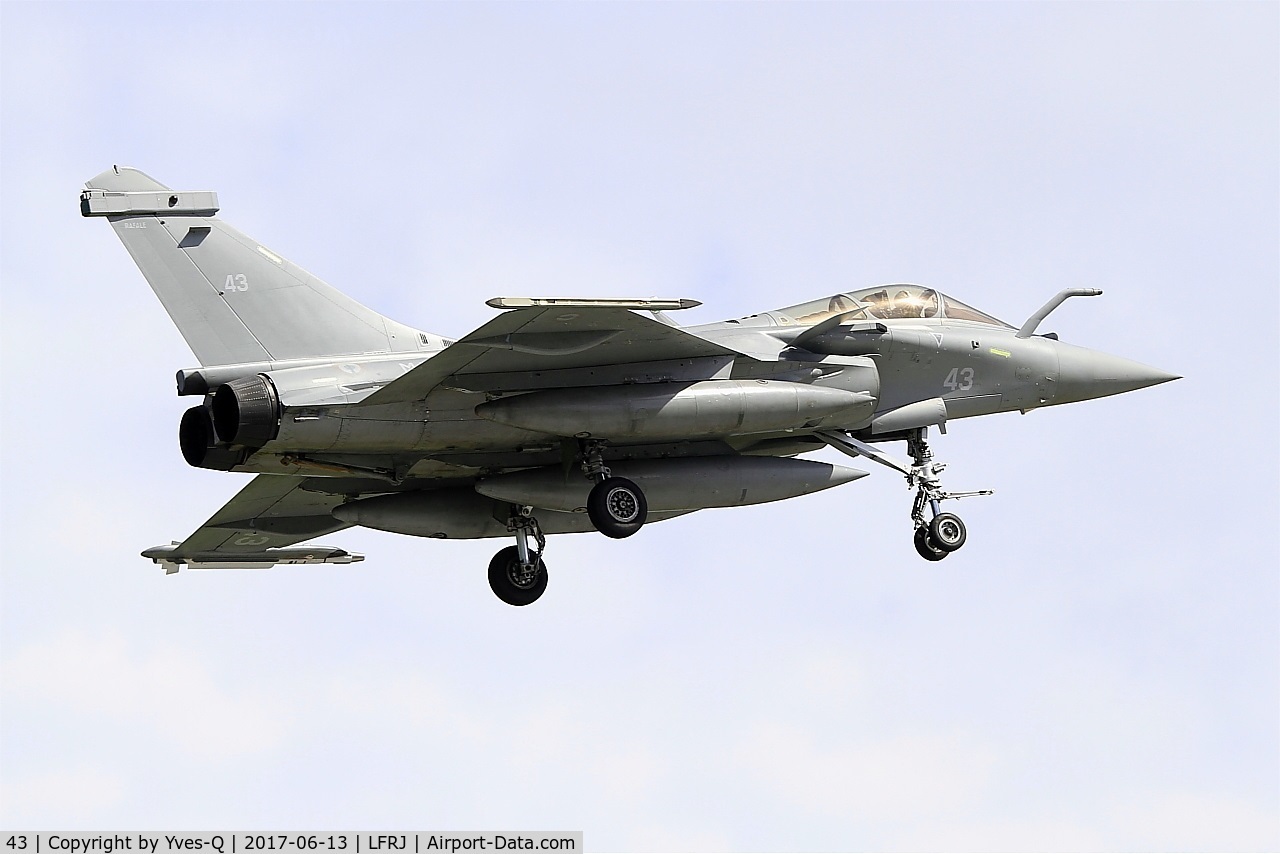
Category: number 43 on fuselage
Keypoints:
(558, 415)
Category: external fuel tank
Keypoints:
(658, 411)
(692, 483)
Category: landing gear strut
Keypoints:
(517, 574)
(616, 506)
(944, 533)
(938, 535)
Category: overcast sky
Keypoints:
(1099, 668)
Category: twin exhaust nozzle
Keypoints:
(241, 416)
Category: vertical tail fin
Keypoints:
(233, 299)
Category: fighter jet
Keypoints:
(559, 415)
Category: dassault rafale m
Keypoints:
(558, 415)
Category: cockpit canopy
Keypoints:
(885, 302)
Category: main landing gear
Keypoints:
(616, 506)
(517, 574)
(939, 534)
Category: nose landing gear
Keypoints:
(945, 532)
(938, 535)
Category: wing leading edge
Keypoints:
(534, 338)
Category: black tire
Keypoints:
(504, 578)
(947, 532)
(925, 546)
(617, 507)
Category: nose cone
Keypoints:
(1085, 374)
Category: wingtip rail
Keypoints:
(167, 557)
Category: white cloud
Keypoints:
(110, 685)
(1194, 821)
(868, 780)
(53, 798)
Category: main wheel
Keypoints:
(511, 583)
(925, 546)
(617, 507)
(947, 532)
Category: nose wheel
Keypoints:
(947, 532)
(937, 534)
(925, 546)
(943, 535)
